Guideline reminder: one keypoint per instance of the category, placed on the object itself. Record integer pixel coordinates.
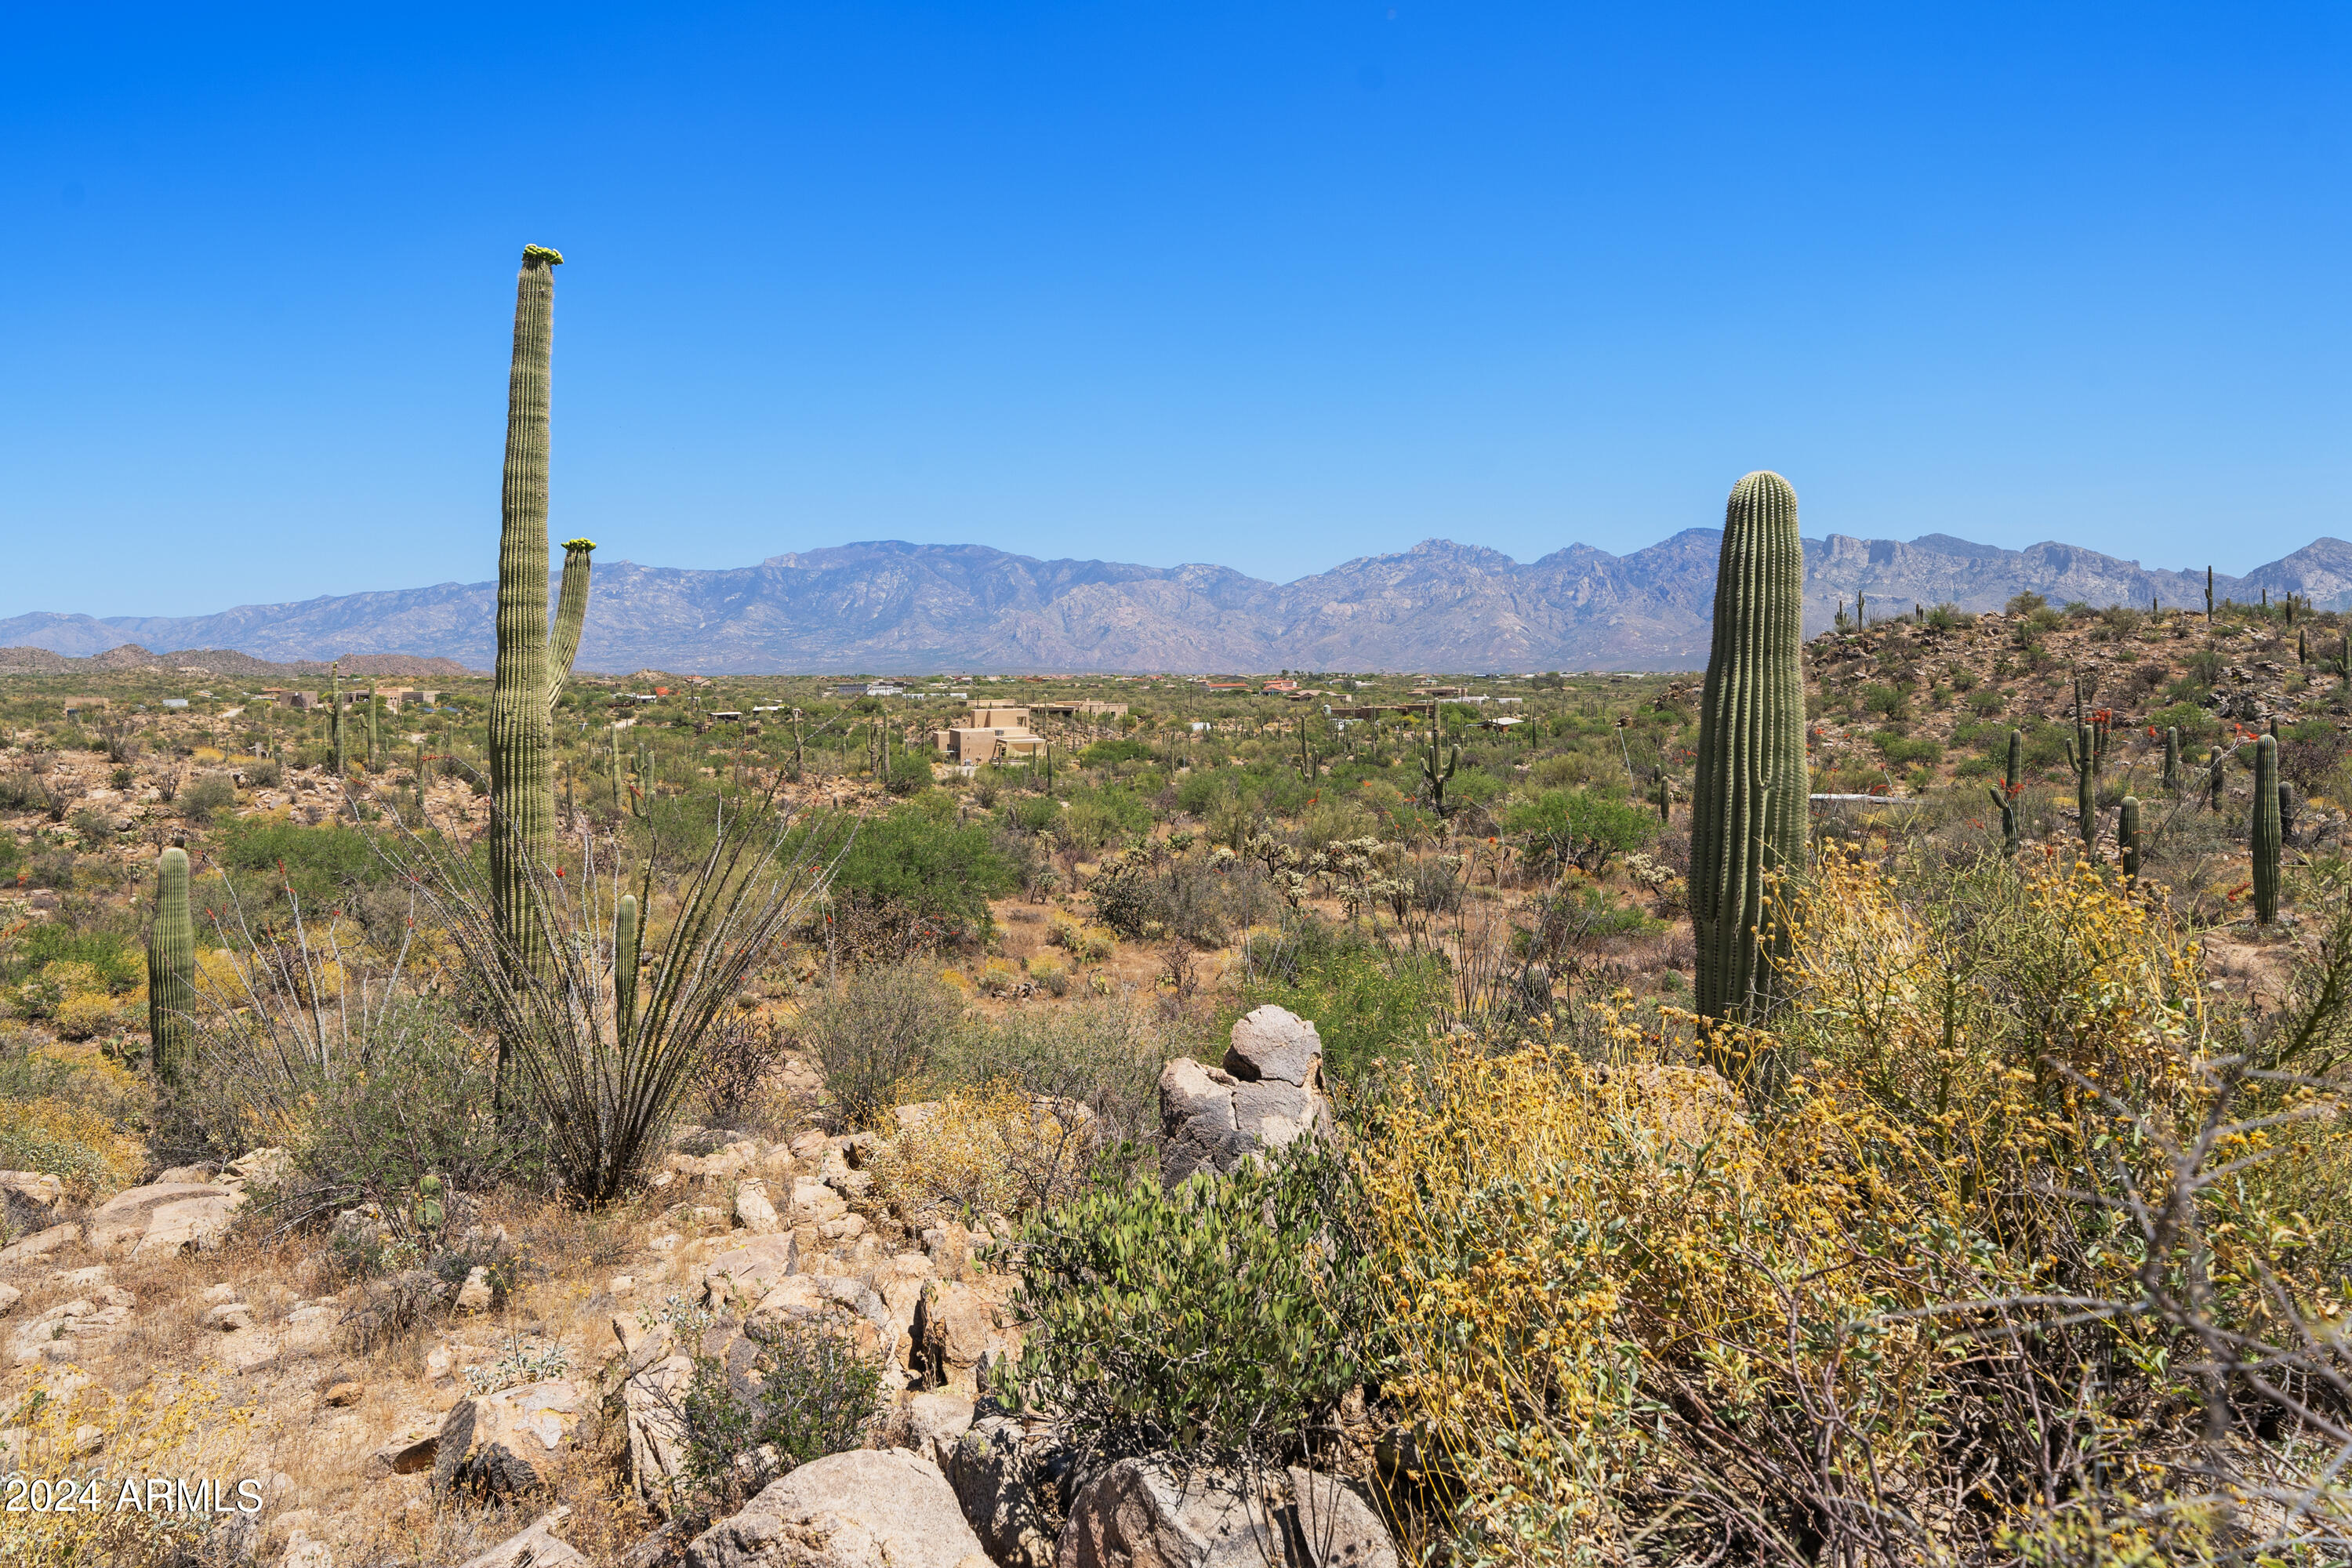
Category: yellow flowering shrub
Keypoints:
(100, 1443)
(73, 1142)
(994, 1150)
(1641, 1312)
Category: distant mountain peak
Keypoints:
(1441, 606)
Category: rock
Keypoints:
(657, 1430)
(29, 1199)
(51, 1335)
(199, 1172)
(9, 1297)
(476, 1295)
(40, 1244)
(261, 1168)
(88, 1279)
(343, 1394)
(1135, 1515)
(959, 1326)
(228, 1317)
(993, 1465)
(301, 1552)
(1276, 1044)
(753, 1212)
(189, 1223)
(537, 1547)
(221, 1292)
(490, 1448)
(123, 1219)
(1196, 1113)
(622, 1285)
(745, 1272)
(859, 1509)
(407, 1454)
(1215, 1118)
(814, 1202)
(1339, 1527)
(928, 1425)
(248, 1351)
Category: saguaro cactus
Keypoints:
(373, 766)
(171, 967)
(2082, 755)
(2265, 834)
(1748, 800)
(1437, 765)
(2172, 759)
(2209, 598)
(335, 713)
(526, 680)
(625, 966)
(2005, 797)
(2216, 781)
(2127, 834)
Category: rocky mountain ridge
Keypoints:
(1441, 606)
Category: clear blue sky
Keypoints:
(1267, 284)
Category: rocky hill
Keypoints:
(1438, 607)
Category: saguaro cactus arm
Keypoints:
(571, 612)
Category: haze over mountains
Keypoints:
(889, 606)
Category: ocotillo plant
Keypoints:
(171, 967)
(625, 965)
(2005, 797)
(2127, 836)
(2172, 759)
(526, 680)
(1748, 800)
(2264, 835)
(1437, 766)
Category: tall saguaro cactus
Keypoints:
(171, 967)
(1748, 800)
(526, 680)
(2172, 759)
(2127, 836)
(2265, 832)
(625, 967)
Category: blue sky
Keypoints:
(1265, 284)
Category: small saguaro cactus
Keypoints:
(1748, 800)
(1437, 765)
(2216, 780)
(171, 967)
(2302, 645)
(2172, 759)
(2005, 799)
(2265, 834)
(2127, 836)
(335, 714)
(2209, 597)
(2082, 755)
(625, 966)
(1861, 617)
(1658, 776)
(372, 702)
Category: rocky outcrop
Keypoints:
(1268, 1094)
(859, 1509)
(493, 1448)
(537, 1547)
(961, 1330)
(996, 1466)
(1138, 1514)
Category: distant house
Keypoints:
(988, 733)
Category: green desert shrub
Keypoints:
(806, 1392)
(1226, 1316)
(878, 1032)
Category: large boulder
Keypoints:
(537, 1547)
(29, 1200)
(996, 1466)
(963, 1328)
(1268, 1094)
(496, 1447)
(748, 1270)
(1337, 1526)
(860, 1510)
(1274, 1045)
(188, 1224)
(123, 1220)
(1136, 1515)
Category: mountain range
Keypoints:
(892, 606)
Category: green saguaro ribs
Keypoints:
(2127, 836)
(526, 680)
(171, 967)
(1749, 798)
(1437, 764)
(625, 967)
(2005, 797)
(2266, 832)
(335, 714)
(2172, 759)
